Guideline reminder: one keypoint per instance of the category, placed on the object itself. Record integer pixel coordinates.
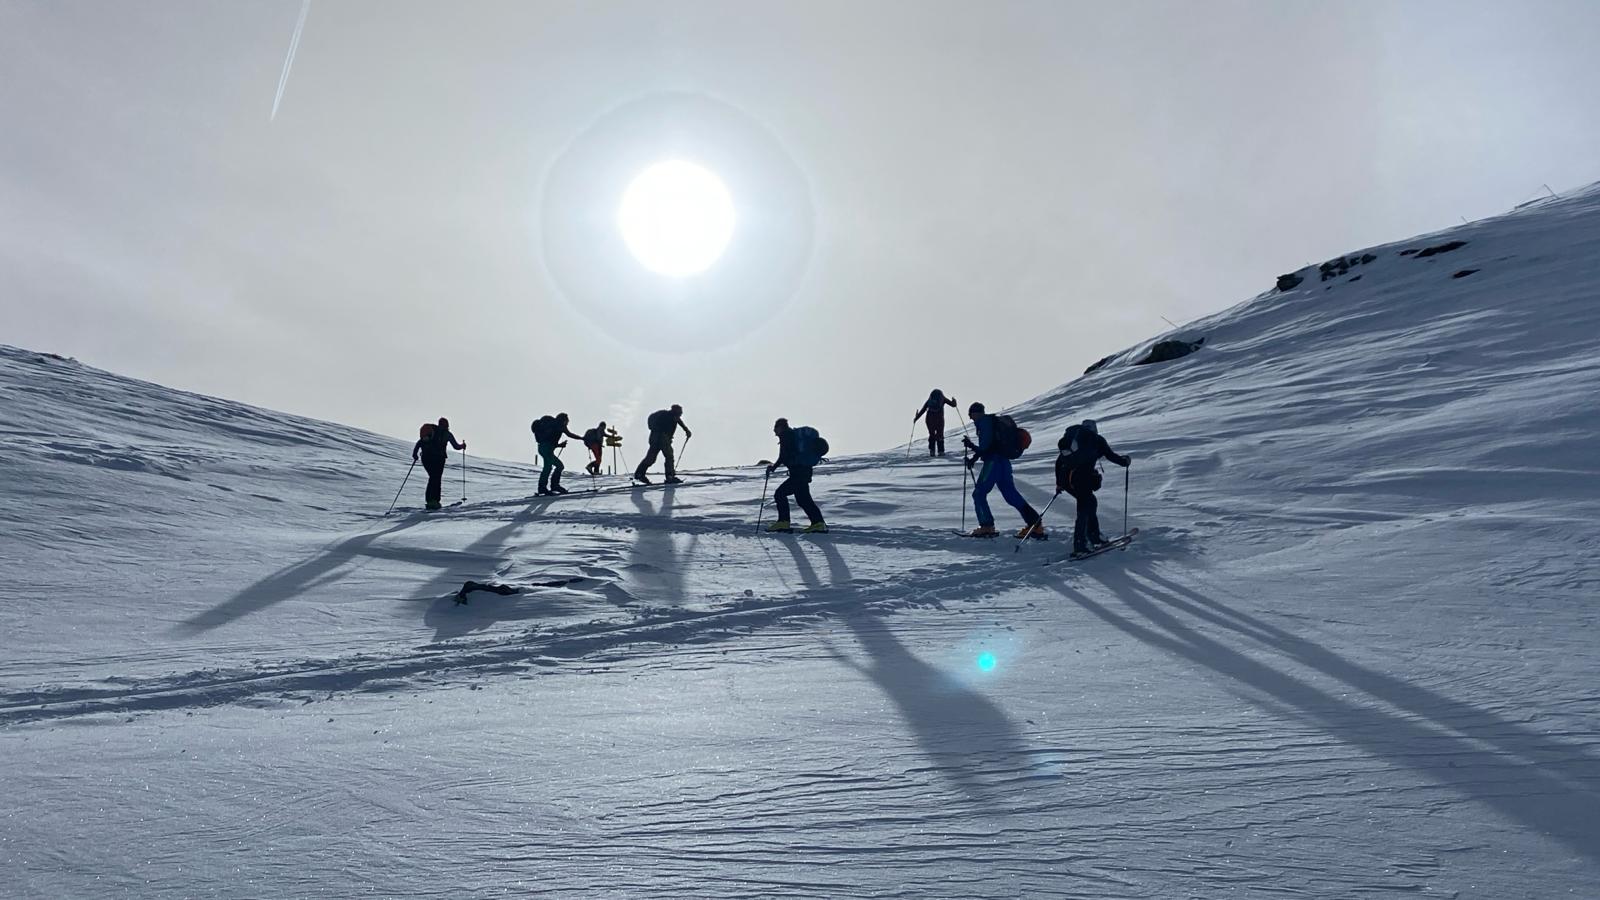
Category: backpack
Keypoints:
(425, 433)
(1078, 450)
(661, 420)
(591, 438)
(1010, 439)
(545, 429)
(809, 447)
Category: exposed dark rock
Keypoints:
(1463, 273)
(1356, 278)
(1166, 351)
(1100, 364)
(1426, 252)
(1408, 252)
(1367, 257)
(1287, 282)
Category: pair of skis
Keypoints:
(1114, 544)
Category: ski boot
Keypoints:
(984, 531)
(673, 479)
(817, 528)
(1035, 531)
(433, 506)
(641, 479)
(781, 526)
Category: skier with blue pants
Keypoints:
(996, 473)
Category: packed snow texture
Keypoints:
(1352, 652)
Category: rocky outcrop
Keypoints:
(1166, 351)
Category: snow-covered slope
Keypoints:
(1352, 651)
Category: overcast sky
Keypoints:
(992, 195)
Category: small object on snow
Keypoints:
(469, 587)
(504, 589)
(1463, 273)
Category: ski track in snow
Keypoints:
(1350, 653)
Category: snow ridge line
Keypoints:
(378, 672)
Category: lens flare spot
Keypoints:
(987, 662)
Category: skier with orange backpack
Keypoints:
(430, 448)
(999, 442)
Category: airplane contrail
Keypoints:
(294, 44)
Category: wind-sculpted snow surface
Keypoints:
(1352, 651)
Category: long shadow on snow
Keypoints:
(1515, 778)
(292, 581)
(653, 560)
(966, 738)
(301, 578)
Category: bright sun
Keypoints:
(676, 218)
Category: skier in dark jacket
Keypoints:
(798, 484)
(547, 432)
(1081, 447)
(934, 409)
(996, 472)
(664, 425)
(595, 441)
(430, 448)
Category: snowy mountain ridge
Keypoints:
(1352, 650)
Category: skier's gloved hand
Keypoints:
(971, 461)
(770, 470)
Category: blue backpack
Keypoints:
(809, 447)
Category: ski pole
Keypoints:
(679, 461)
(912, 438)
(1036, 523)
(463, 474)
(965, 471)
(762, 512)
(1127, 472)
(402, 487)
